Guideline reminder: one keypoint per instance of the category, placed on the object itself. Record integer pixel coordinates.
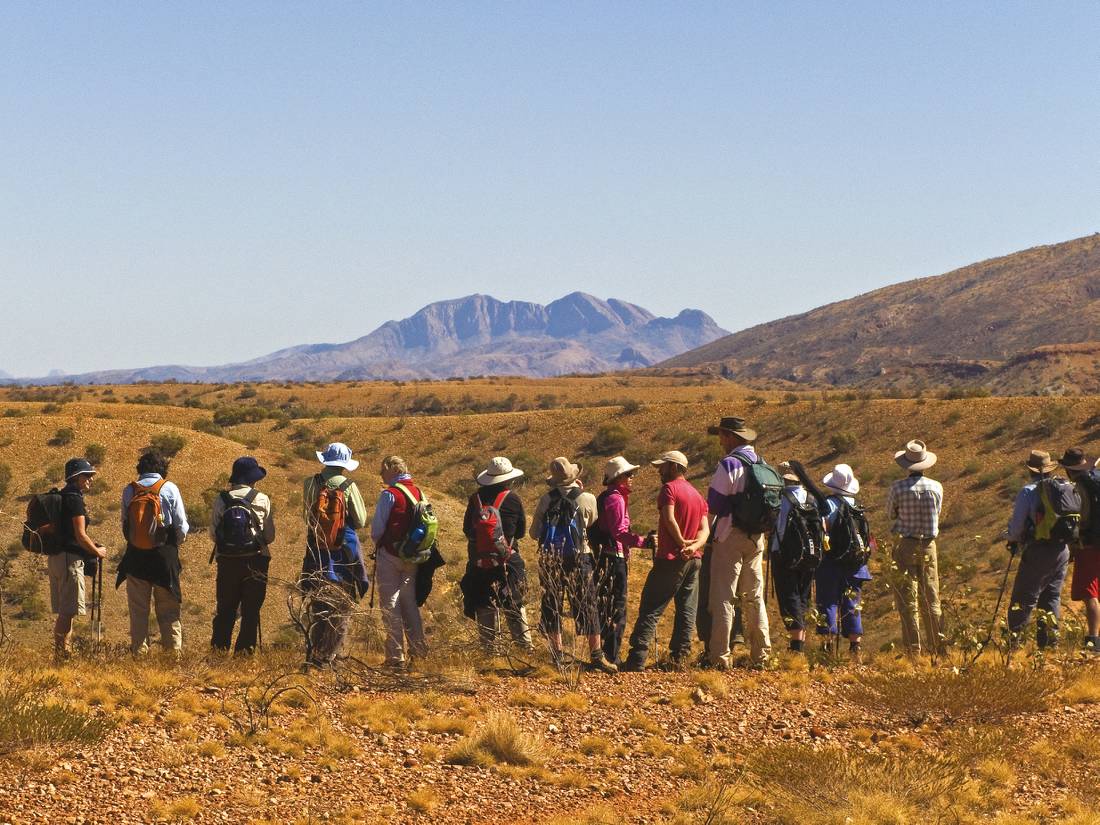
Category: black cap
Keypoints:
(246, 470)
(78, 467)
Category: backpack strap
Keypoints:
(499, 500)
(347, 482)
(250, 496)
(399, 486)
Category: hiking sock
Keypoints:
(797, 645)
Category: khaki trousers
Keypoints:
(737, 572)
(917, 594)
(139, 594)
(396, 583)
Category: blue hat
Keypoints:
(338, 455)
(78, 467)
(246, 470)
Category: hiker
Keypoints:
(496, 578)
(73, 547)
(796, 550)
(395, 577)
(702, 613)
(1045, 519)
(243, 528)
(737, 562)
(682, 530)
(333, 572)
(914, 504)
(1085, 584)
(566, 567)
(154, 524)
(613, 540)
(839, 579)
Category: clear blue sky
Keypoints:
(206, 182)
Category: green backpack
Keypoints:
(416, 547)
(756, 508)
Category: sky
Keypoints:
(202, 183)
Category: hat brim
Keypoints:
(251, 477)
(574, 474)
(349, 464)
(659, 461)
(846, 491)
(745, 433)
(791, 477)
(82, 473)
(1046, 468)
(928, 461)
(1083, 465)
(625, 471)
(484, 479)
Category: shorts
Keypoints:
(66, 583)
(1086, 574)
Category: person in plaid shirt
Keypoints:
(914, 503)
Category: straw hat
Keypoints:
(915, 456)
(616, 467)
(842, 480)
(1040, 462)
(732, 424)
(671, 457)
(500, 469)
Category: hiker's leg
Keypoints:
(725, 568)
(228, 588)
(410, 613)
(253, 593)
(702, 608)
(737, 632)
(167, 609)
(1092, 616)
(519, 627)
(613, 633)
(750, 593)
(788, 593)
(552, 602)
(907, 594)
(138, 595)
(1085, 588)
(1026, 589)
(930, 598)
(687, 604)
(486, 626)
(827, 578)
(851, 617)
(657, 592)
(66, 576)
(322, 630)
(388, 579)
(582, 599)
(1050, 598)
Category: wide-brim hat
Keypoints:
(500, 469)
(562, 472)
(78, 467)
(616, 467)
(671, 457)
(786, 472)
(246, 470)
(1040, 462)
(842, 479)
(915, 456)
(338, 455)
(732, 424)
(1074, 459)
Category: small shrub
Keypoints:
(631, 406)
(62, 437)
(95, 453)
(843, 442)
(167, 443)
(206, 425)
(5, 479)
(609, 439)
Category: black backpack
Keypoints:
(238, 531)
(803, 543)
(1089, 484)
(1059, 515)
(598, 537)
(849, 536)
(756, 508)
(40, 528)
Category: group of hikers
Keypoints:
(710, 554)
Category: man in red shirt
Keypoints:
(682, 531)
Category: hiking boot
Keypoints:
(855, 653)
(395, 664)
(599, 662)
(1091, 644)
(632, 666)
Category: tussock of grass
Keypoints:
(30, 716)
(545, 701)
(423, 801)
(1085, 689)
(499, 739)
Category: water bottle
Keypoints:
(416, 535)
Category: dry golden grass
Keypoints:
(499, 740)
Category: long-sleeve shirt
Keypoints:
(261, 506)
(171, 506)
(615, 521)
(383, 509)
(334, 477)
(586, 512)
(1025, 514)
(914, 503)
(790, 491)
(728, 481)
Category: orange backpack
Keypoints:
(328, 514)
(145, 528)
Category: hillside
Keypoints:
(973, 326)
(475, 335)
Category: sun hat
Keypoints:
(732, 424)
(671, 457)
(246, 470)
(787, 472)
(562, 472)
(78, 467)
(616, 467)
(915, 456)
(1074, 459)
(842, 480)
(1040, 462)
(500, 469)
(338, 455)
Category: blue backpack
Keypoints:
(561, 534)
(238, 531)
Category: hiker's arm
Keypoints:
(618, 527)
(180, 527)
(80, 535)
(668, 523)
(1021, 515)
(700, 540)
(892, 504)
(722, 486)
(123, 514)
(217, 510)
(540, 514)
(357, 508)
(267, 532)
(381, 516)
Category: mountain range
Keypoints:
(475, 335)
(1028, 322)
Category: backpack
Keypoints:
(1059, 515)
(40, 533)
(561, 534)
(599, 538)
(145, 527)
(850, 540)
(416, 547)
(491, 548)
(328, 514)
(1089, 485)
(238, 531)
(803, 542)
(756, 508)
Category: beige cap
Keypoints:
(671, 457)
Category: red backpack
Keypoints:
(328, 514)
(490, 545)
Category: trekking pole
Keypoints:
(373, 579)
(996, 612)
(98, 583)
